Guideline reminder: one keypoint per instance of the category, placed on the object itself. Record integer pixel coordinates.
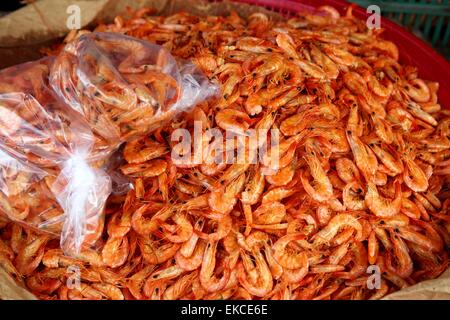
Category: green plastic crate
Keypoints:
(428, 19)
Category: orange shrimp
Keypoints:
(418, 90)
(180, 287)
(288, 260)
(254, 187)
(410, 209)
(269, 213)
(224, 226)
(152, 168)
(256, 101)
(283, 176)
(255, 45)
(30, 255)
(431, 241)
(417, 111)
(414, 176)
(372, 248)
(286, 43)
(338, 222)
(233, 120)
(194, 261)
(180, 232)
(380, 206)
(36, 283)
(359, 253)
(136, 281)
(155, 253)
(261, 282)
(352, 196)
(365, 159)
(400, 250)
(141, 150)
(329, 66)
(327, 268)
(283, 99)
(323, 189)
(379, 88)
(311, 69)
(207, 278)
(223, 199)
(338, 254)
(294, 276)
(188, 247)
(392, 162)
(165, 273)
(115, 251)
(146, 226)
(340, 56)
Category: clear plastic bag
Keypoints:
(126, 87)
(50, 161)
(62, 118)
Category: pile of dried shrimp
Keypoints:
(363, 176)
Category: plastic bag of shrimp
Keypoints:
(124, 86)
(62, 117)
(49, 171)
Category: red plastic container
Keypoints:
(413, 51)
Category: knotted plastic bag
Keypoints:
(50, 160)
(61, 119)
